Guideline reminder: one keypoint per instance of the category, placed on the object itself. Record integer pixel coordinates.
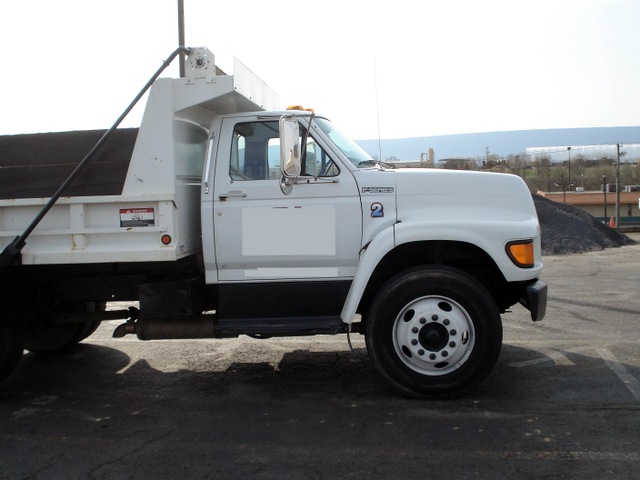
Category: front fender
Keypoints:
(370, 256)
(491, 236)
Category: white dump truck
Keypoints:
(221, 217)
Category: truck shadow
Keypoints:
(92, 370)
(311, 414)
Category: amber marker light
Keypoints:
(299, 107)
(166, 239)
(521, 253)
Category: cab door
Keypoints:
(263, 235)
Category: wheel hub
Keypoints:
(433, 335)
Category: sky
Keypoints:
(394, 69)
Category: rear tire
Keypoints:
(433, 332)
(11, 346)
(51, 339)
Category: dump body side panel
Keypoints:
(35, 165)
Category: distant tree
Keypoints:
(543, 172)
(578, 166)
(605, 161)
(560, 178)
(493, 159)
(488, 164)
(630, 173)
(518, 164)
(593, 176)
(460, 164)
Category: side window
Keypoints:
(255, 154)
(317, 162)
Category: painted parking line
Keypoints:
(557, 357)
(623, 374)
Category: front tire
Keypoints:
(433, 332)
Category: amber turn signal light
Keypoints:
(521, 253)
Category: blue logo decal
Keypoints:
(377, 210)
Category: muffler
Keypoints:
(201, 326)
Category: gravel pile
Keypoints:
(568, 229)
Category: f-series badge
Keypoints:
(377, 189)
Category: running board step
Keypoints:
(279, 327)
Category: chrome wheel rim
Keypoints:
(433, 335)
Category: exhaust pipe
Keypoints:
(157, 329)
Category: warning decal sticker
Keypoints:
(137, 217)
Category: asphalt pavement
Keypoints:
(562, 403)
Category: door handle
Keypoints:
(233, 193)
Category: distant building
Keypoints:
(563, 153)
(595, 203)
(458, 163)
(409, 163)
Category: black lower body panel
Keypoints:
(171, 309)
(282, 300)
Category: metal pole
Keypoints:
(618, 186)
(181, 36)
(569, 150)
(604, 188)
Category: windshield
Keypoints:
(351, 149)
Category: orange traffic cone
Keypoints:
(612, 222)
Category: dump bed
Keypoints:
(139, 199)
(35, 165)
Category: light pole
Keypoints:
(604, 189)
(619, 154)
(569, 150)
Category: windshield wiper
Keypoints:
(375, 163)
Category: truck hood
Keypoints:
(487, 210)
(442, 195)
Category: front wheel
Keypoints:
(433, 332)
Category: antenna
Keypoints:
(375, 77)
(181, 36)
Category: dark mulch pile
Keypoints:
(568, 229)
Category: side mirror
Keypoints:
(290, 161)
